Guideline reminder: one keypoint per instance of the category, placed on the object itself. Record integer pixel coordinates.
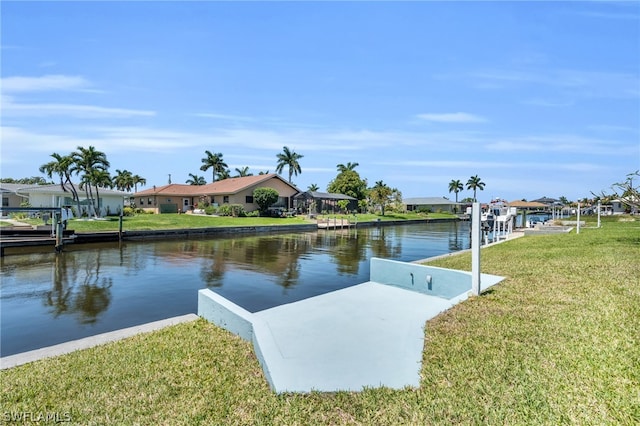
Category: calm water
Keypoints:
(48, 299)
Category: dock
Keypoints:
(335, 223)
(368, 335)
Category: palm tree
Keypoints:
(456, 186)
(62, 167)
(243, 172)
(123, 180)
(290, 159)
(313, 187)
(100, 179)
(138, 180)
(196, 180)
(475, 183)
(348, 166)
(85, 161)
(213, 162)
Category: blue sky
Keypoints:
(536, 98)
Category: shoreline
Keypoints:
(27, 238)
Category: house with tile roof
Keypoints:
(175, 197)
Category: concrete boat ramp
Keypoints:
(368, 335)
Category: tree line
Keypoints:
(92, 167)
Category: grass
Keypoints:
(176, 221)
(556, 342)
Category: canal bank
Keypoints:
(14, 241)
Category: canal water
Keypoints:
(46, 299)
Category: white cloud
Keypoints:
(577, 83)
(563, 143)
(44, 83)
(12, 109)
(455, 117)
(227, 117)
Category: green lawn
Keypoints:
(556, 342)
(176, 221)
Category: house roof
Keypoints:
(526, 204)
(431, 201)
(547, 201)
(10, 187)
(326, 196)
(55, 189)
(224, 186)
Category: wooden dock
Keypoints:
(335, 223)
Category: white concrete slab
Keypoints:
(368, 335)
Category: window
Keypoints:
(149, 201)
(142, 201)
(5, 202)
(225, 199)
(248, 199)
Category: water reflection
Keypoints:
(48, 298)
(78, 289)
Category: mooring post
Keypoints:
(476, 235)
(59, 232)
(120, 227)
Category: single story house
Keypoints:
(323, 201)
(619, 207)
(10, 197)
(53, 195)
(432, 204)
(176, 197)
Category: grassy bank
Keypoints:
(176, 221)
(556, 342)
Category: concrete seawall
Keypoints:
(25, 238)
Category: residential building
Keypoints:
(174, 197)
(432, 204)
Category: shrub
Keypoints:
(209, 210)
(265, 198)
(236, 210)
(128, 211)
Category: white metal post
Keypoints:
(598, 214)
(476, 235)
(578, 221)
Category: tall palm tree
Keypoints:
(475, 183)
(313, 187)
(348, 166)
(100, 179)
(123, 180)
(289, 158)
(243, 172)
(138, 180)
(455, 186)
(62, 165)
(85, 160)
(196, 180)
(215, 163)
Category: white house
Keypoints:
(109, 202)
